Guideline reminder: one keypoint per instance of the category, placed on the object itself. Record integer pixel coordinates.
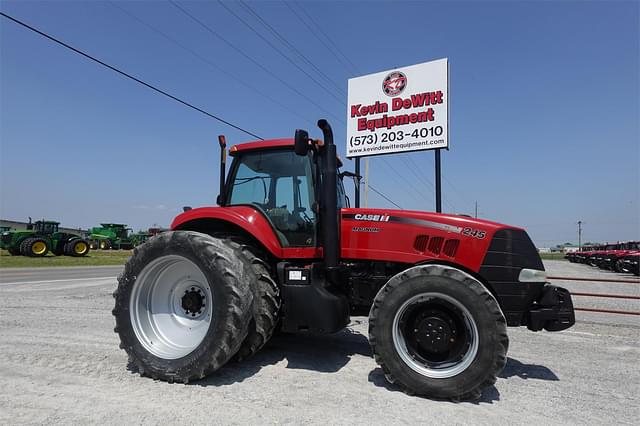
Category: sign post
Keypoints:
(400, 110)
(358, 179)
(438, 183)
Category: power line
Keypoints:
(408, 182)
(150, 86)
(241, 52)
(424, 179)
(213, 65)
(129, 76)
(383, 196)
(289, 46)
(420, 177)
(332, 49)
(274, 47)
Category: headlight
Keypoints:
(532, 276)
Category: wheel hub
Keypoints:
(193, 301)
(434, 334)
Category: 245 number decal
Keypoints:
(474, 233)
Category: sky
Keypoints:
(544, 105)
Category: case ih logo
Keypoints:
(394, 83)
(372, 217)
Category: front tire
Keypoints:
(183, 306)
(438, 332)
(34, 247)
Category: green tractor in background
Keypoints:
(110, 236)
(41, 237)
(140, 237)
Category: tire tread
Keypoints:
(481, 292)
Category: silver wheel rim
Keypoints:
(171, 307)
(446, 370)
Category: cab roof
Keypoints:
(48, 221)
(266, 144)
(259, 145)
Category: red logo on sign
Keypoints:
(394, 83)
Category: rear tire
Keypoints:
(76, 248)
(406, 326)
(34, 247)
(206, 323)
(266, 302)
(104, 244)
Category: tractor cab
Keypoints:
(46, 227)
(283, 186)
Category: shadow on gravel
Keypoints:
(490, 394)
(527, 371)
(322, 353)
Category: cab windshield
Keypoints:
(280, 185)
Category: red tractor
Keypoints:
(284, 251)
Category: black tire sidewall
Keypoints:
(488, 341)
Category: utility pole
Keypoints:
(438, 182)
(366, 182)
(357, 179)
(579, 235)
(476, 209)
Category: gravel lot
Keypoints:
(60, 363)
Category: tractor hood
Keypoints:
(450, 222)
(415, 236)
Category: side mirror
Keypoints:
(301, 146)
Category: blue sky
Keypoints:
(544, 106)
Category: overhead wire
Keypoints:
(383, 196)
(311, 23)
(210, 63)
(280, 52)
(406, 180)
(148, 85)
(421, 177)
(250, 58)
(290, 46)
(129, 76)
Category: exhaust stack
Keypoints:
(222, 141)
(330, 220)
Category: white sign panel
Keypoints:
(406, 109)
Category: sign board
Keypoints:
(405, 109)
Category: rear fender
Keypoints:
(240, 220)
